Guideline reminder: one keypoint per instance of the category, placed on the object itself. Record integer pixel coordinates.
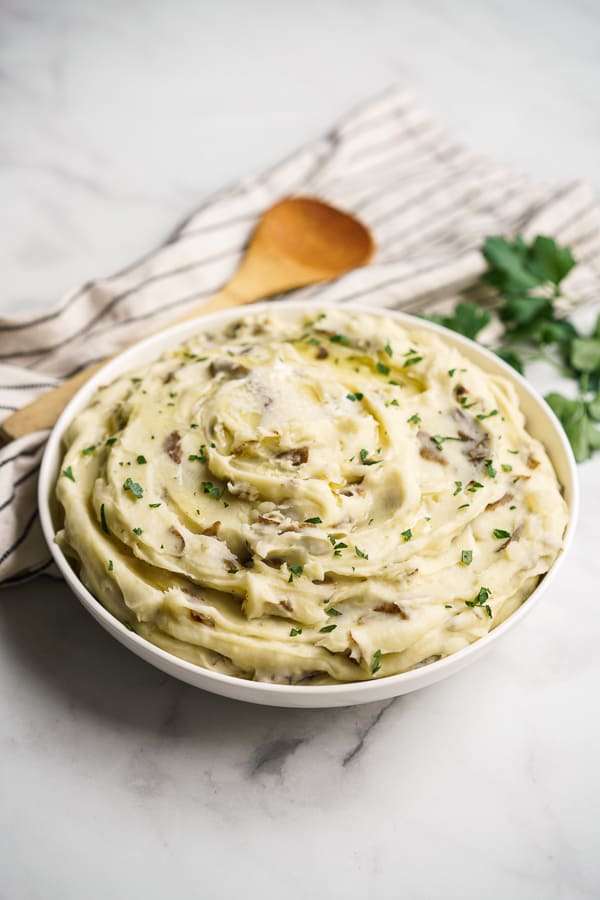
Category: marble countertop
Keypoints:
(117, 781)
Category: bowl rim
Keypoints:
(267, 692)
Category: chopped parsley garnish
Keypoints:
(388, 350)
(489, 468)
(110, 565)
(440, 439)
(407, 535)
(295, 571)
(295, 631)
(451, 372)
(360, 553)
(355, 397)
(506, 467)
(482, 416)
(232, 571)
(327, 628)
(464, 506)
(394, 402)
(514, 452)
(466, 557)
(364, 458)
(141, 460)
(481, 600)
(103, 521)
(209, 488)
(136, 489)
(473, 486)
(315, 520)
(136, 380)
(376, 662)
(154, 505)
(332, 611)
(110, 441)
(340, 339)
(194, 425)
(512, 507)
(415, 419)
(458, 488)
(68, 473)
(382, 368)
(501, 534)
(411, 361)
(137, 531)
(88, 450)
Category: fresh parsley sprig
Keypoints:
(528, 278)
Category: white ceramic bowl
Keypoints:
(541, 423)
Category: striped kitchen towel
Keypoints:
(429, 201)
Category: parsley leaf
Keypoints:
(135, 488)
(467, 319)
(376, 662)
(481, 600)
(466, 557)
(295, 572)
(577, 417)
(103, 521)
(68, 473)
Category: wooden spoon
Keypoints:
(298, 241)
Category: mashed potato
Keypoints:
(309, 499)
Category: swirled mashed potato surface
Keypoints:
(309, 501)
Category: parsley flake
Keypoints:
(103, 521)
(295, 631)
(489, 468)
(376, 662)
(332, 611)
(209, 488)
(501, 534)
(137, 531)
(110, 566)
(360, 553)
(493, 412)
(135, 488)
(295, 571)
(388, 350)
(355, 397)
(327, 628)
(466, 557)
(415, 419)
(141, 460)
(382, 368)
(481, 600)
(315, 520)
(407, 535)
(68, 473)
(411, 361)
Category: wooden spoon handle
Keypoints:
(44, 411)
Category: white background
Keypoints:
(117, 118)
